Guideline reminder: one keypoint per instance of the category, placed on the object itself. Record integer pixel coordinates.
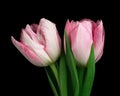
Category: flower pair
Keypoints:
(41, 43)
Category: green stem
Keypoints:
(81, 72)
(63, 76)
(54, 69)
(51, 83)
(89, 75)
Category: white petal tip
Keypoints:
(12, 39)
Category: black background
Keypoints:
(19, 77)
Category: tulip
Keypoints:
(39, 43)
(82, 34)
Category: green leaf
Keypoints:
(89, 74)
(51, 84)
(53, 78)
(72, 68)
(63, 76)
(81, 72)
(55, 71)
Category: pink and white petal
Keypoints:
(74, 24)
(31, 33)
(72, 31)
(25, 39)
(98, 40)
(40, 51)
(34, 27)
(53, 43)
(27, 53)
(43, 55)
(67, 30)
(82, 45)
(73, 35)
(40, 36)
(68, 27)
(36, 47)
(88, 25)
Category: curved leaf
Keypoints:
(89, 75)
(63, 76)
(52, 74)
(72, 68)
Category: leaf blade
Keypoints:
(81, 73)
(63, 76)
(71, 67)
(55, 72)
(89, 75)
(51, 83)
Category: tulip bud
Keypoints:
(40, 43)
(82, 34)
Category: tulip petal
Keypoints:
(52, 40)
(81, 44)
(98, 40)
(36, 48)
(31, 33)
(70, 26)
(27, 40)
(87, 24)
(34, 27)
(27, 53)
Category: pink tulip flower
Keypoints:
(82, 34)
(39, 43)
